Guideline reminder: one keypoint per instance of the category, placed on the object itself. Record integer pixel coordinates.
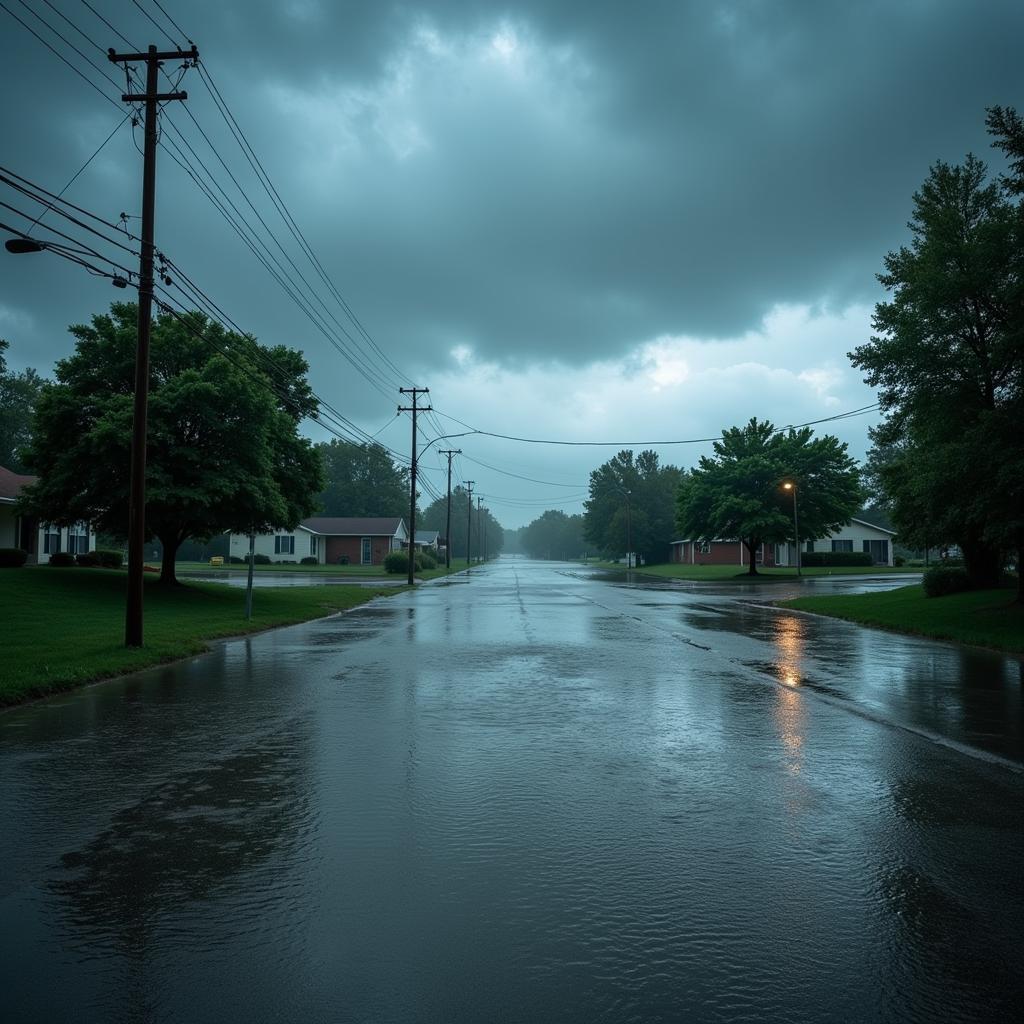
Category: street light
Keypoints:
(790, 485)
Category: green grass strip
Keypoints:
(64, 627)
(986, 618)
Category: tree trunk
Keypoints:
(751, 547)
(1020, 574)
(983, 564)
(171, 545)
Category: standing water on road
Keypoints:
(533, 793)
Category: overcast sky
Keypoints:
(579, 221)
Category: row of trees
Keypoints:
(487, 534)
(224, 451)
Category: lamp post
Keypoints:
(790, 485)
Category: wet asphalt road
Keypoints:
(543, 794)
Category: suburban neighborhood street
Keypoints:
(532, 792)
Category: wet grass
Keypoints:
(986, 618)
(64, 627)
(720, 573)
(372, 571)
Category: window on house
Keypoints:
(284, 545)
(809, 547)
(78, 539)
(842, 545)
(314, 546)
(51, 539)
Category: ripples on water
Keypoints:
(501, 805)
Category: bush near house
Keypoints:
(425, 560)
(62, 559)
(258, 559)
(109, 558)
(309, 560)
(941, 580)
(12, 558)
(834, 558)
(398, 562)
(88, 560)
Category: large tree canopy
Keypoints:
(644, 513)
(739, 494)
(19, 393)
(224, 451)
(948, 360)
(362, 480)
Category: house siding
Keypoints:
(353, 548)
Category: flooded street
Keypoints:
(536, 793)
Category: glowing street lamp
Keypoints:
(790, 485)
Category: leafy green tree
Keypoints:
(948, 360)
(645, 514)
(19, 393)
(362, 480)
(554, 535)
(738, 493)
(224, 451)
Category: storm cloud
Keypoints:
(595, 218)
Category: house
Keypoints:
(331, 540)
(428, 540)
(856, 535)
(39, 540)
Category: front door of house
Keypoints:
(367, 556)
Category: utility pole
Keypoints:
(137, 494)
(479, 528)
(469, 522)
(483, 537)
(415, 392)
(448, 527)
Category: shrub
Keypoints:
(236, 560)
(812, 558)
(283, 561)
(342, 559)
(257, 559)
(426, 560)
(899, 561)
(109, 558)
(309, 560)
(62, 559)
(941, 580)
(396, 562)
(88, 560)
(12, 558)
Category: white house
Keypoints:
(856, 535)
(330, 540)
(39, 540)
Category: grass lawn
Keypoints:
(681, 571)
(373, 571)
(987, 618)
(62, 627)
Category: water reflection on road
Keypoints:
(542, 794)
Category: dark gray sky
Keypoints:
(591, 221)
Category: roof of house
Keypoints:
(12, 483)
(353, 526)
(427, 536)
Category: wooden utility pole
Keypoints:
(448, 527)
(479, 528)
(137, 493)
(469, 523)
(414, 409)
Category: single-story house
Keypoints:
(856, 535)
(39, 540)
(429, 540)
(331, 540)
